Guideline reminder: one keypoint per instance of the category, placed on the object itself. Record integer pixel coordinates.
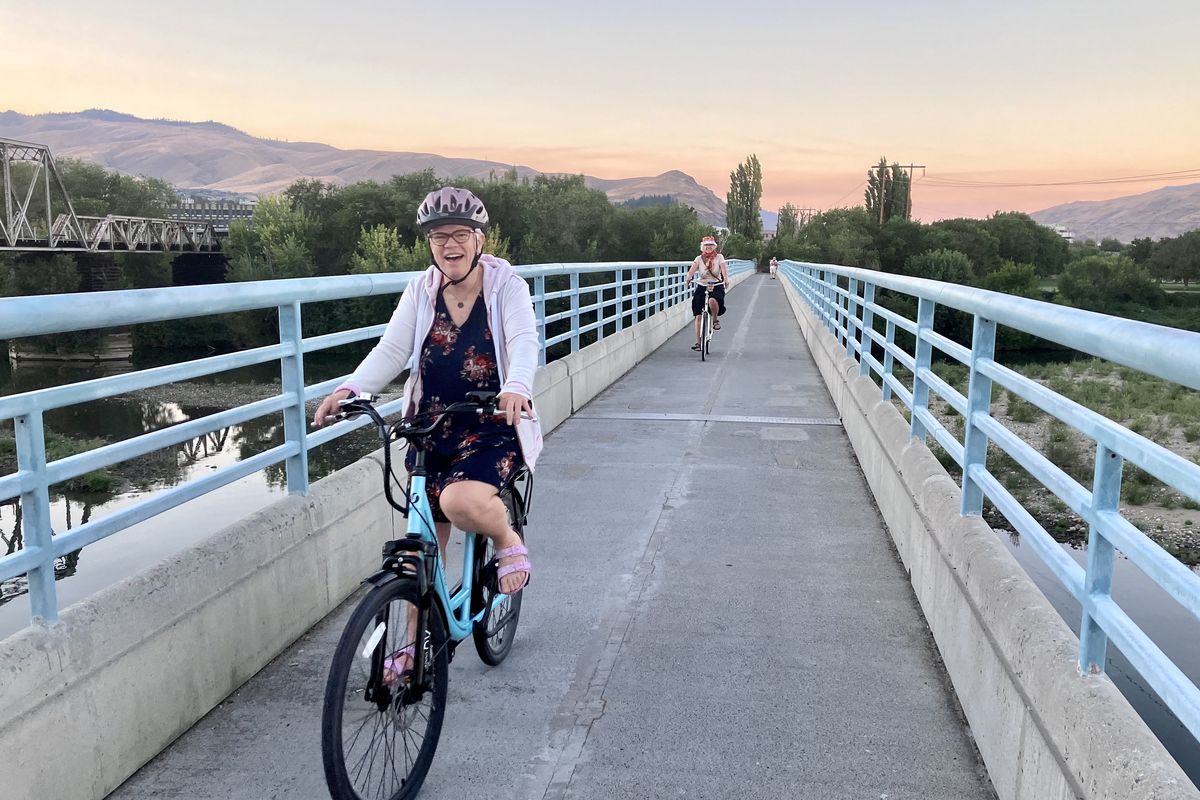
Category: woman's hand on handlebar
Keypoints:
(511, 405)
(328, 410)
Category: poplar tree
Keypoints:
(743, 201)
(887, 192)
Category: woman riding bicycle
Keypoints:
(466, 325)
(710, 270)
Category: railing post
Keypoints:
(35, 517)
(539, 309)
(826, 302)
(598, 301)
(1097, 582)
(292, 369)
(979, 401)
(924, 358)
(890, 338)
(575, 311)
(851, 314)
(620, 298)
(868, 321)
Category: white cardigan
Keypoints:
(514, 332)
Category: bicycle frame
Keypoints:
(459, 621)
(422, 532)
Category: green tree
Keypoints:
(738, 246)
(971, 237)
(743, 203)
(1177, 259)
(1111, 245)
(897, 241)
(1016, 279)
(573, 223)
(789, 221)
(842, 236)
(950, 266)
(656, 233)
(1022, 239)
(275, 246)
(887, 192)
(1105, 282)
(1140, 250)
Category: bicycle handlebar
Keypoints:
(479, 402)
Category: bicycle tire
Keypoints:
(494, 634)
(391, 712)
(705, 332)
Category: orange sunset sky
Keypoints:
(1019, 92)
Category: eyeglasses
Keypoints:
(440, 239)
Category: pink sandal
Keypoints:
(518, 566)
(399, 665)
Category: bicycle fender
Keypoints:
(381, 578)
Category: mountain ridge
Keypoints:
(215, 156)
(1159, 213)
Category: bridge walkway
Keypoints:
(716, 611)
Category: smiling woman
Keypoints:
(470, 323)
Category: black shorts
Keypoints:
(698, 300)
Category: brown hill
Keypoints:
(1169, 211)
(210, 155)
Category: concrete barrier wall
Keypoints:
(87, 703)
(1044, 731)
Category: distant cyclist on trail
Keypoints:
(466, 325)
(709, 269)
(774, 267)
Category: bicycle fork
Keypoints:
(403, 559)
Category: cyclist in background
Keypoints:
(774, 267)
(709, 269)
(467, 324)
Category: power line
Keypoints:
(860, 185)
(937, 181)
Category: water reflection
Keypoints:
(126, 417)
(1164, 620)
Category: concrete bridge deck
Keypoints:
(717, 611)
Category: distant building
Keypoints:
(1063, 231)
(217, 212)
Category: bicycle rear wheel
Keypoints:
(380, 727)
(494, 634)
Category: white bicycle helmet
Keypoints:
(451, 205)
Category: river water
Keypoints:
(83, 573)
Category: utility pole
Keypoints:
(884, 172)
(805, 215)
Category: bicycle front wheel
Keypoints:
(380, 725)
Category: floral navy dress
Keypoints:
(454, 361)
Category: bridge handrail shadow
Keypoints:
(844, 299)
(574, 303)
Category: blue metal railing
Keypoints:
(636, 291)
(844, 300)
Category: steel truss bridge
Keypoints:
(51, 225)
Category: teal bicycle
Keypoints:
(385, 697)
